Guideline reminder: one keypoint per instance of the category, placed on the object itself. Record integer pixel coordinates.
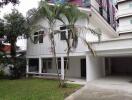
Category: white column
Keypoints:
(91, 68)
(94, 67)
(62, 68)
(40, 65)
(27, 66)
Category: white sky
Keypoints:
(23, 7)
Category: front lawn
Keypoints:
(34, 89)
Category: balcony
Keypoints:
(124, 13)
(125, 29)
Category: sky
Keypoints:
(23, 7)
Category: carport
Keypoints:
(113, 58)
(119, 66)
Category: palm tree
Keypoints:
(72, 14)
(52, 14)
(68, 14)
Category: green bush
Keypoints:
(1, 74)
(19, 69)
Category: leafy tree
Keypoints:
(5, 2)
(15, 25)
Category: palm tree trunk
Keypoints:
(54, 54)
(67, 63)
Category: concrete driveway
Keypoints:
(110, 88)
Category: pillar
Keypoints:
(62, 68)
(40, 65)
(27, 66)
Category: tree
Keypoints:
(72, 14)
(68, 14)
(52, 14)
(15, 25)
(5, 2)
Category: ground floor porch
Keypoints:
(45, 67)
(85, 68)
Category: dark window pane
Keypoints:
(59, 58)
(41, 32)
(49, 64)
(65, 64)
(40, 38)
(59, 64)
(33, 65)
(35, 39)
(63, 28)
(63, 35)
(36, 33)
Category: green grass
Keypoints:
(34, 89)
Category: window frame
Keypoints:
(38, 38)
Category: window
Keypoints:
(130, 5)
(33, 65)
(131, 21)
(35, 37)
(47, 64)
(63, 33)
(65, 62)
(38, 37)
(41, 33)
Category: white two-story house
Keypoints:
(83, 64)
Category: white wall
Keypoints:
(45, 47)
(74, 70)
(124, 14)
(95, 67)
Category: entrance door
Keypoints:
(83, 67)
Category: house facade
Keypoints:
(112, 48)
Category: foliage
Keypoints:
(1, 74)
(15, 26)
(19, 68)
(5, 2)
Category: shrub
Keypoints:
(1, 74)
(18, 70)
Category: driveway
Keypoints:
(110, 88)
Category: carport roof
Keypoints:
(114, 47)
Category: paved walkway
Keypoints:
(111, 88)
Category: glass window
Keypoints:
(33, 65)
(63, 35)
(65, 62)
(38, 37)
(131, 21)
(35, 37)
(130, 5)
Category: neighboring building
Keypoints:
(114, 52)
(124, 16)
